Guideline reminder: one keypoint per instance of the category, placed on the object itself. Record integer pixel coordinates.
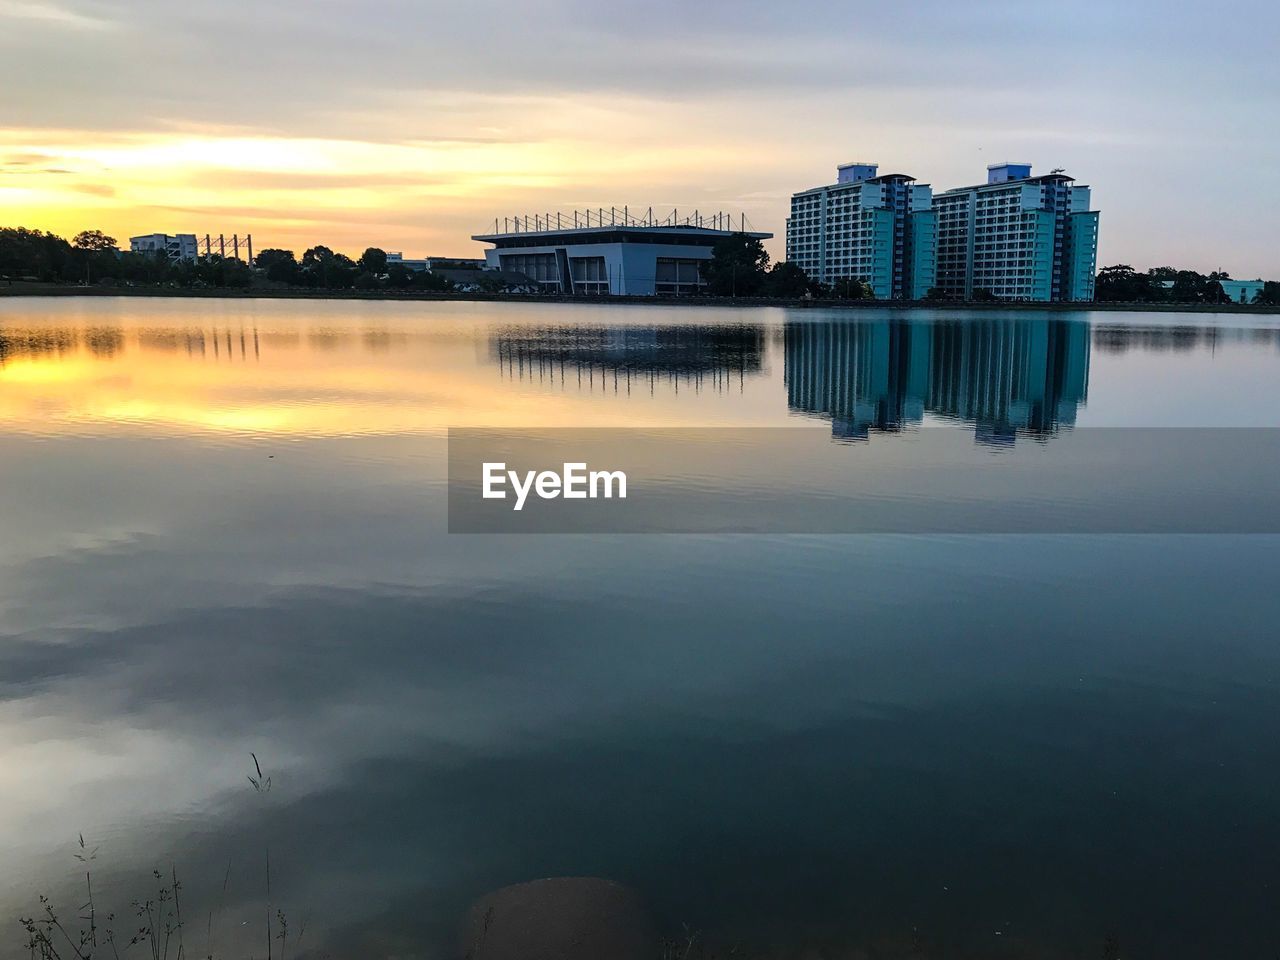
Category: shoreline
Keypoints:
(223, 293)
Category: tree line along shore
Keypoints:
(37, 263)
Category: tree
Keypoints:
(1122, 284)
(321, 267)
(737, 267)
(1214, 291)
(218, 271)
(96, 250)
(280, 266)
(314, 256)
(982, 295)
(937, 293)
(787, 280)
(367, 281)
(426, 280)
(93, 240)
(151, 266)
(40, 256)
(373, 261)
(1269, 294)
(1192, 287)
(852, 288)
(399, 276)
(235, 273)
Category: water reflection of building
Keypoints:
(1007, 377)
(863, 376)
(624, 357)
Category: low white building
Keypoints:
(181, 246)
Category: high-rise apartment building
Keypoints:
(1017, 237)
(865, 226)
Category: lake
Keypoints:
(223, 532)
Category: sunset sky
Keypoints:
(410, 126)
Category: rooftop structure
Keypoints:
(1004, 172)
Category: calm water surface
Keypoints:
(222, 530)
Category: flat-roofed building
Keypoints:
(879, 228)
(181, 246)
(603, 252)
(1017, 237)
(1242, 291)
(1236, 291)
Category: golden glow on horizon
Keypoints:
(421, 196)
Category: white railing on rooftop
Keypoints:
(618, 217)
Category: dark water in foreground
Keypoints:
(222, 530)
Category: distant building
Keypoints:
(1241, 291)
(1018, 237)
(1237, 291)
(417, 265)
(180, 246)
(865, 226)
(421, 264)
(600, 252)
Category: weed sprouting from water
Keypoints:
(260, 783)
(160, 920)
(159, 930)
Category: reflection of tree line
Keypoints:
(1005, 376)
(37, 343)
(109, 342)
(1120, 339)
(219, 343)
(676, 350)
(618, 358)
(18, 343)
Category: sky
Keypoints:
(411, 125)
